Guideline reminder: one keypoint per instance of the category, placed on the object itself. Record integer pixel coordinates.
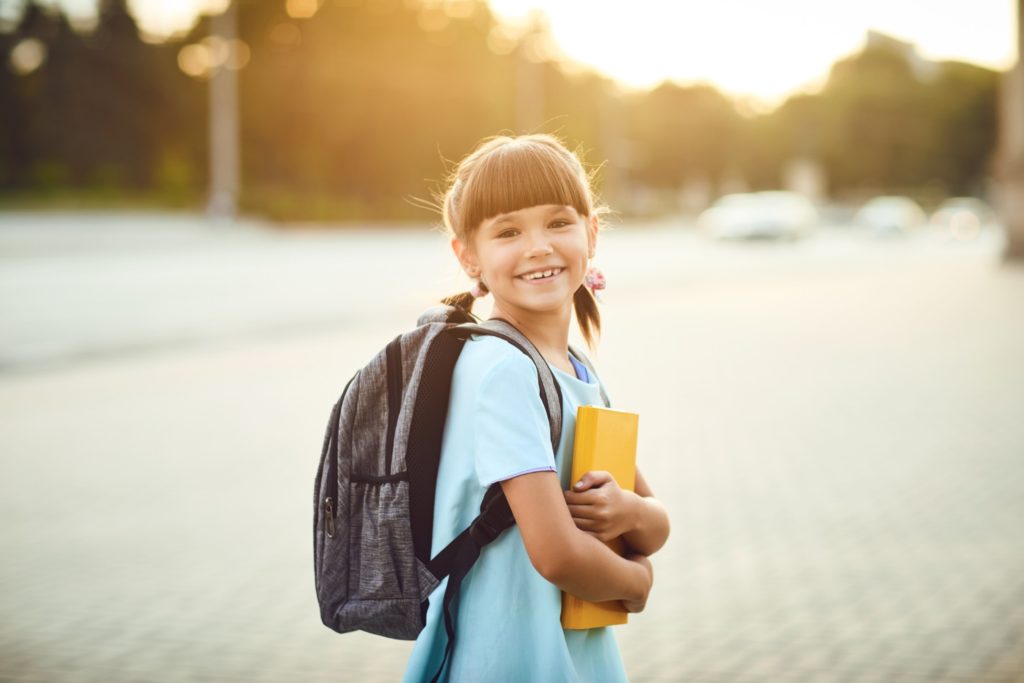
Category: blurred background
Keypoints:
(213, 213)
(344, 109)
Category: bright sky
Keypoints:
(766, 50)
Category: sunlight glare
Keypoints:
(768, 50)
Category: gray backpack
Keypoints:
(374, 491)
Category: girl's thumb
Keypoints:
(593, 479)
(586, 481)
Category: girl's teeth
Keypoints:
(545, 274)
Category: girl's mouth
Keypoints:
(542, 276)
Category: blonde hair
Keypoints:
(505, 174)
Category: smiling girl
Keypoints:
(524, 226)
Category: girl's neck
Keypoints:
(548, 331)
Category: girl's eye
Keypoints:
(511, 232)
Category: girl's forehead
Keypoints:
(540, 210)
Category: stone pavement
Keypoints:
(835, 427)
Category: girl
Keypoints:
(524, 226)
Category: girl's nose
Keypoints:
(540, 245)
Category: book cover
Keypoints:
(605, 440)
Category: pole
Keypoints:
(529, 93)
(1011, 152)
(224, 146)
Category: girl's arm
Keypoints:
(602, 509)
(571, 559)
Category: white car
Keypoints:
(772, 214)
(962, 217)
(890, 216)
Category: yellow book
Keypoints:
(605, 440)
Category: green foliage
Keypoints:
(49, 175)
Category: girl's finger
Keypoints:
(585, 524)
(581, 511)
(586, 498)
(592, 479)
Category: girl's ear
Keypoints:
(466, 257)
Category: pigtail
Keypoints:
(463, 301)
(587, 315)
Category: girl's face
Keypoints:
(511, 252)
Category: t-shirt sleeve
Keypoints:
(512, 431)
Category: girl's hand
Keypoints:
(599, 507)
(641, 602)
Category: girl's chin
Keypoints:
(539, 304)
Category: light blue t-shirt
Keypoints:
(508, 627)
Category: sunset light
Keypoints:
(763, 51)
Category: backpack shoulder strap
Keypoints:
(458, 558)
(550, 393)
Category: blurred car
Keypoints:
(890, 216)
(962, 217)
(772, 214)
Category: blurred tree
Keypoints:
(124, 110)
(97, 110)
(350, 110)
(873, 135)
(964, 111)
(878, 125)
(768, 141)
(353, 106)
(682, 133)
(22, 92)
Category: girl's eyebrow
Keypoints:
(511, 215)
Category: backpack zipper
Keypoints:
(332, 459)
(329, 516)
(394, 354)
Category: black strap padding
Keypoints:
(465, 556)
(461, 554)
(495, 516)
(423, 452)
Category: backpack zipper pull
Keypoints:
(329, 516)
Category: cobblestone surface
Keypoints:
(835, 426)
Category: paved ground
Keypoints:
(835, 426)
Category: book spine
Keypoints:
(586, 433)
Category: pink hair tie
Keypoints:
(594, 280)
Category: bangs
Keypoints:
(519, 175)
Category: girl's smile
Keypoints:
(542, 276)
